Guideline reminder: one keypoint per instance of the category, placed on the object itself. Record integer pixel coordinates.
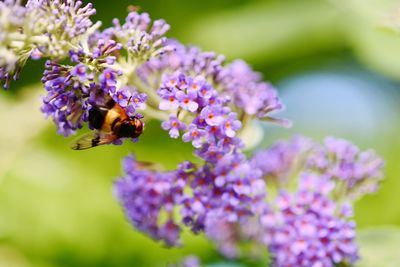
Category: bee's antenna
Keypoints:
(129, 100)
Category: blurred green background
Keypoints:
(335, 63)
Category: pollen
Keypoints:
(171, 99)
(186, 101)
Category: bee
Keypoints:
(111, 122)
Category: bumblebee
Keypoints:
(110, 122)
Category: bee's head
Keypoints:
(138, 126)
(131, 128)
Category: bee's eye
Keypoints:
(127, 129)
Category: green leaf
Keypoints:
(379, 247)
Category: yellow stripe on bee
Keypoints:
(116, 112)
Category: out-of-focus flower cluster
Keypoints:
(307, 223)
(307, 227)
(304, 220)
(41, 28)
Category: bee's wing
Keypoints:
(92, 139)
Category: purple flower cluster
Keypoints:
(280, 161)
(70, 87)
(206, 102)
(228, 190)
(56, 17)
(307, 228)
(73, 89)
(142, 39)
(225, 187)
(248, 91)
(210, 122)
(41, 28)
(300, 228)
(356, 172)
(359, 171)
(189, 60)
(149, 199)
(65, 100)
(243, 87)
(12, 16)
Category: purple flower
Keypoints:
(169, 101)
(108, 80)
(195, 135)
(187, 100)
(123, 97)
(79, 71)
(174, 126)
(231, 125)
(139, 100)
(169, 232)
(213, 115)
